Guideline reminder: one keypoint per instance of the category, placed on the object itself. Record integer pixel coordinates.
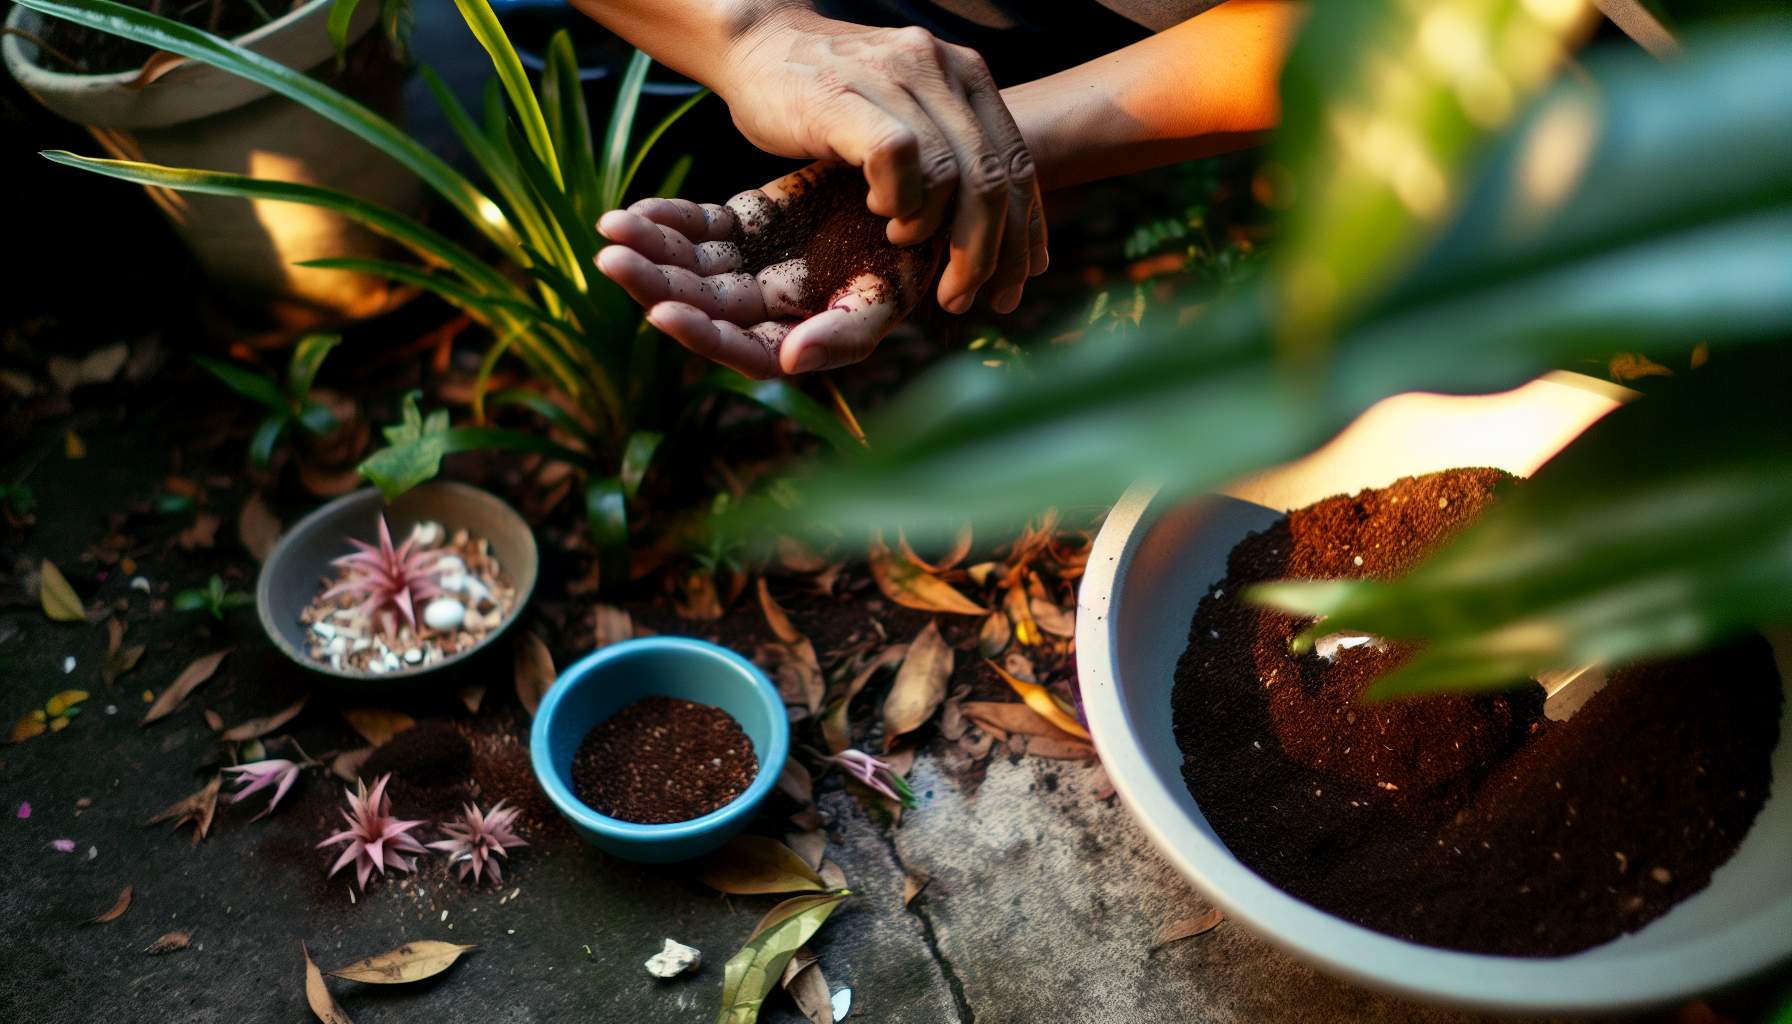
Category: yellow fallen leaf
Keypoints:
(58, 598)
(58, 724)
(72, 446)
(323, 1005)
(377, 725)
(909, 584)
(31, 725)
(63, 701)
(1043, 701)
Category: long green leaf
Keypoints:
(577, 237)
(637, 456)
(782, 397)
(606, 516)
(486, 28)
(342, 12)
(1666, 527)
(622, 124)
(752, 974)
(426, 243)
(267, 436)
(307, 358)
(652, 139)
(563, 99)
(250, 385)
(187, 41)
(498, 165)
(542, 406)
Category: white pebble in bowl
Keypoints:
(444, 613)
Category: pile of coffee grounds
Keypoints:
(1465, 822)
(431, 765)
(823, 222)
(661, 760)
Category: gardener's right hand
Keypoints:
(924, 121)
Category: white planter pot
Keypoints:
(1154, 559)
(199, 116)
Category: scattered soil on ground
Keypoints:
(1467, 822)
(431, 764)
(661, 760)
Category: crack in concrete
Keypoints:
(966, 1015)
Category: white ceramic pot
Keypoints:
(1150, 566)
(199, 116)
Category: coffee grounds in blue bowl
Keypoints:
(661, 760)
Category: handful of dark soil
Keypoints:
(823, 222)
(1467, 822)
(660, 760)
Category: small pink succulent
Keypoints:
(384, 578)
(277, 772)
(476, 840)
(375, 839)
(875, 773)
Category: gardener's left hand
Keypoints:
(683, 262)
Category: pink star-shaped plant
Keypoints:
(376, 840)
(277, 772)
(385, 578)
(477, 840)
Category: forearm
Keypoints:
(696, 38)
(1205, 86)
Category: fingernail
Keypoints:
(959, 303)
(1007, 301)
(810, 359)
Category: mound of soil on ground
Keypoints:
(1467, 822)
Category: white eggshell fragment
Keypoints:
(444, 613)
(673, 959)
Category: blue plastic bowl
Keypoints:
(607, 680)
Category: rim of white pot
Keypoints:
(1616, 976)
(191, 90)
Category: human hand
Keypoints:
(795, 277)
(924, 121)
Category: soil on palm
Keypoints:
(824, 222)
(1466, 822)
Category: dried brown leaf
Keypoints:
(1051, 618)
(754, 864)
(808, 988)
(1049, 705)
(613, 625)
(912, 886)
(776, 617)
(159, 63)
(1020, 612)
(811, 846)
(952, 719)
(257, 527)
(920, 684)
(961, 546)
(1059, 748)
(115, 628)
(119, 906)
(189, 679)
(907, 583)
(534, 670)
(323, 1004)
(172, 942)
(1187, 927)
(835, 728)
(58, 599)
(993, 639)
(697, 597)
(472, 696)
(830, 872)
(118, 665)
(102, 364)
(256, 727)
(1009, 717)
(412, 961)
(195, 809)
(795, 782)
(203, 533)
(377, 725)
(347, 765)
(213, 720)
(797, 556)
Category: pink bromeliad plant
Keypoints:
(376, 840)
(385, 579)
(256, 775)
(875, 773)
(476, 840)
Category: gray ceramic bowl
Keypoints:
(296, 567)
(1155, 558)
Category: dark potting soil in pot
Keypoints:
(660, 760)
(1466, 822)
